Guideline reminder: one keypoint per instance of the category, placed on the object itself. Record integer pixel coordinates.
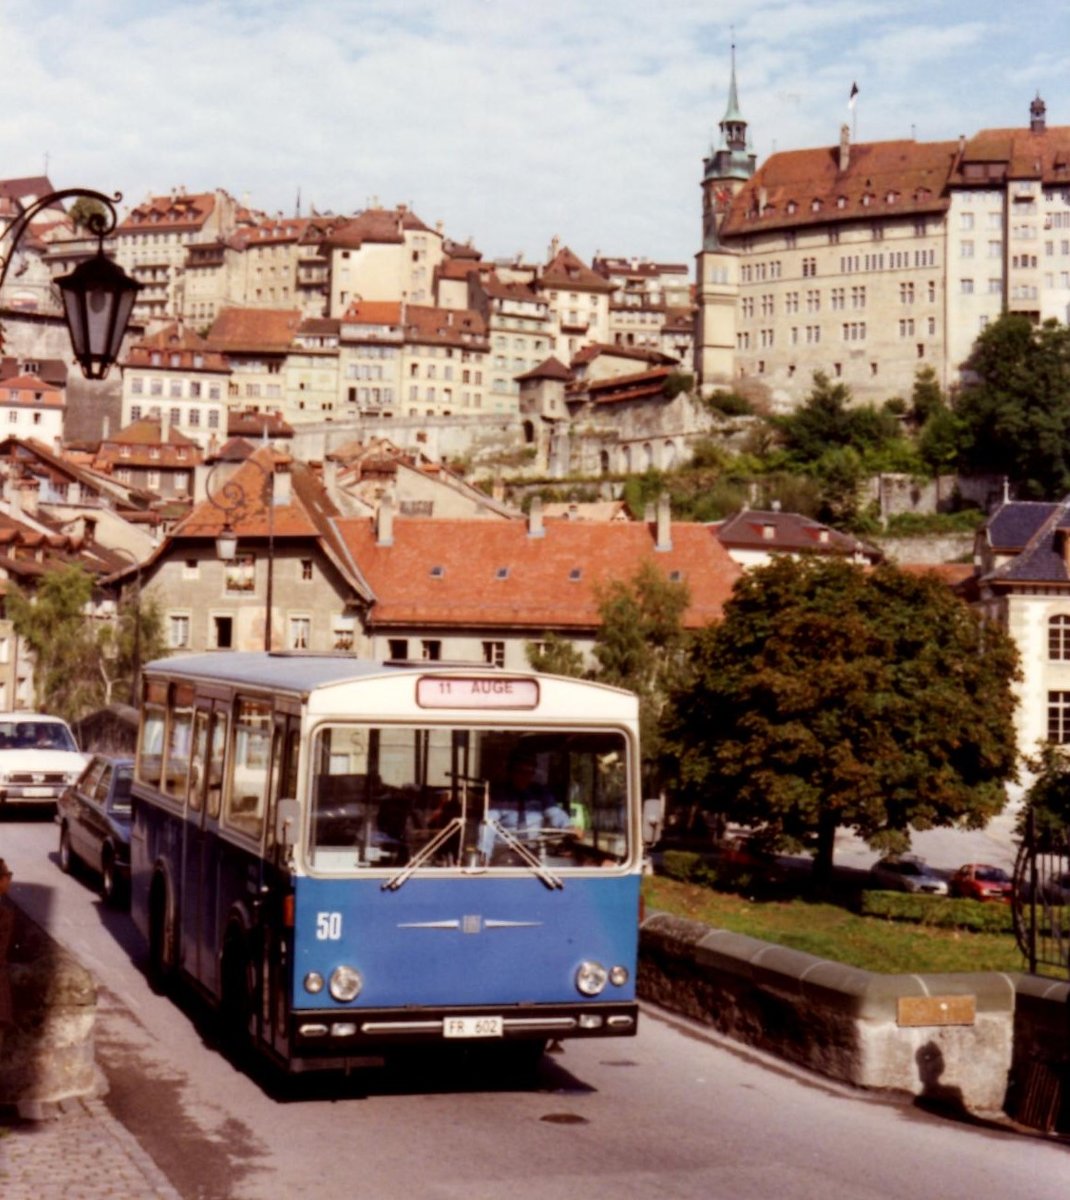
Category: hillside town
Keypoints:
(349, 395)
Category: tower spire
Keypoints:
(733, 126)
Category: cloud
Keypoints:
(509, 121)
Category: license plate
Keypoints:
(37, 791)
(472, 1027)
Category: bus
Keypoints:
(325, 848)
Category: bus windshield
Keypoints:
(390, 795)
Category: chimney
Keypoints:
(28, 496)
(768, 531)
(282, 487)
(536, 529)
(384, 521)
(573, 511)
(649, 512)
(330, 477)
(664, 526)
(105, 429)
(845, 147)
(497, 488)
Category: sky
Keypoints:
(510, 121)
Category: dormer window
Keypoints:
(841, 201)
(575, 575)
(438, 572)
(791, 207)
(815, 205)
(502, 573)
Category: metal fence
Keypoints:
(1042, 901)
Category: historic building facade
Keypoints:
(867, 261)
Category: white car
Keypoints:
(39, 758)
(907, 874)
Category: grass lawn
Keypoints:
(832, 932)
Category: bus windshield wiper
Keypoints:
(414, 864)
(529, 859)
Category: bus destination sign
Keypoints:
(476, 691)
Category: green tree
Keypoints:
(828, 421)
(1048, 797)
(641, 645)
(556, 655)
(927, 397)
(1016, 418)
(122, 647)
(84, 209)
(53, 621)
(832, 697)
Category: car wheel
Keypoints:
(109, 879)
(66, 854)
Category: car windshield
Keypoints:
(908, 868)
(438, 798)
(991, 875)
(36, 735)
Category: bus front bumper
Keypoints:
(343, 1033)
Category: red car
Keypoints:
(979, 881)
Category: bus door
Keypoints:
(199, 921)
(275, 935)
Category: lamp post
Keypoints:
(98, 295)
(226, 543)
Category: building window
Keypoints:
(240, 575)
(431, 650)
(178, 631)
(343, 637)
(1059, 717)
(1059, 637)
(222, 633)
(300, 632)
(306, 569)
(494, 654)
(398, 649)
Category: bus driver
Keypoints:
(522, 805)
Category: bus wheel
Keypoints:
(66, 854)
(235, 1004)
(161, 942)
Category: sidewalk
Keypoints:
(79, 1152)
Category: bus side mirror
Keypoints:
(653, 819)
(287, 819)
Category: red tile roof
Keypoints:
(381, 225)
(172, 212)
(566, 270)
(373, 312)
(1018, 153)
(550, 582)
(551, 368)
(254, 330)
(146, 432)
(193, 352)
(806, 187)
(754, 529)
(31, 392)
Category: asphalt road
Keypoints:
(675, 1112)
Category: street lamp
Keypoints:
(230, 499)
(98, 295)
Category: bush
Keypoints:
(938, 912)
(730, 404)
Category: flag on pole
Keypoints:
(853, 96)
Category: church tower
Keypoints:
(727, 169)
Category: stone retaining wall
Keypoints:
(946, 1038)
(47, 1053)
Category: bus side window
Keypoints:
(217, 748)
(150, 752)
(179, 735)
(246, 794)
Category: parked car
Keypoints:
(980, 881)
(39, 758)
(907, 874)
(94, 823)
(1056, 888)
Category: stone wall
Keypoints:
(47, 1053)
(947, 1039)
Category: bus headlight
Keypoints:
(314, 982)
(591, 978)
(618, 976)
(345, 984)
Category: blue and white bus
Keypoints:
(320, 847)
